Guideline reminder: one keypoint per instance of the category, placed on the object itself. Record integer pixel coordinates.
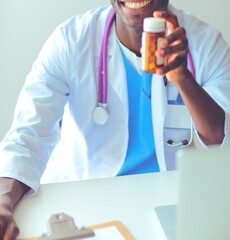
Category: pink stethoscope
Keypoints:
(101, 113)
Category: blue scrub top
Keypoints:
(141, 154)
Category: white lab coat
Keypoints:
(64, 80)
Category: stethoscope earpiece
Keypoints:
(173, 144)
(183, 143)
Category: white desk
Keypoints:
(130, 199)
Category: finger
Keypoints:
(178, 61)
(178, 34)
(171, 19)
(2, 227)
(12, 231)
(180, 49)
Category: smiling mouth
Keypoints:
(137, 5)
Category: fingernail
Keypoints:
(161, 52)
(164, 43)
(159, 71)
(159, 13)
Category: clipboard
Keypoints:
(62, 227)
(120, 227)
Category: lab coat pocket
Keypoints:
(178, 126)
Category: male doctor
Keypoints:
(63, 84)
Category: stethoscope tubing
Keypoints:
(191, 63)
(103, 73)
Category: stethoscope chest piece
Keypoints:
(100, 115)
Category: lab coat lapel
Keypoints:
(116, 69)
(159, 108)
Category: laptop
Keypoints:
(203, 212)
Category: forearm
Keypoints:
(11, 191)
(207, 115)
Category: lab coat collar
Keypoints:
(103, 22)
(177, 12)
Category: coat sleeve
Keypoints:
(217, 78)
(26, 148)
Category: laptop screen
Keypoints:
(204, 194)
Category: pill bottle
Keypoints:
(153, 33)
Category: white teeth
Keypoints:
(137, 5)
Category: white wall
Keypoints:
(26, 24)
(214, 12)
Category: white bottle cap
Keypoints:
(152, 24)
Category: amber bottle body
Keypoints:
(150, 43)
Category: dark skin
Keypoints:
(11, 191)
(129, 23)
(207, 115)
